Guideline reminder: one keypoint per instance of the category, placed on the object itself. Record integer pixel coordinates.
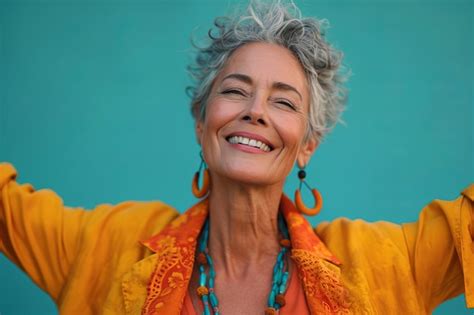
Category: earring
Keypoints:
(201, 192)
(318, 200)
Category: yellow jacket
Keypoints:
(92, 262)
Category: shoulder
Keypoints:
(130, 219)
(344, 227)
(359, 242)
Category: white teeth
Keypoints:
(250, 142)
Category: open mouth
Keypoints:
(249, 142)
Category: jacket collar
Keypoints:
(175, 246)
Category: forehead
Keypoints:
(267, 63)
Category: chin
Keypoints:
(250, 176)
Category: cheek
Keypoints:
(218, 114)
(291, 130)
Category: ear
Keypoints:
(198, 129)
(306, 151)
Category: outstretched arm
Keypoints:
(37, 232)
(412, 267)
(441, 249)
(77, 256)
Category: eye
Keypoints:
(234, 91)
(286, 103)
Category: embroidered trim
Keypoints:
(321, 280)
(175, 248)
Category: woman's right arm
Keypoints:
(37, 232)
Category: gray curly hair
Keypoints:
(282, 24)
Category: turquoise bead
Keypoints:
(277, 276)
(202, 279)
(205, 301)
(280, 256)
(284, 282)
(209, 261)
(213, 299)
(275, 269)
(271, 299)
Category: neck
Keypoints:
(243, 225)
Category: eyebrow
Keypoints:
(276, 85)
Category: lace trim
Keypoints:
(323, 287)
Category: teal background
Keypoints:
(92, 105)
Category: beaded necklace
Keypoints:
(206, 292)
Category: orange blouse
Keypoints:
(93, 262)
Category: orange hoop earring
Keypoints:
(201, 192)
(318, 200)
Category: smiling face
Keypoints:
(256, 117)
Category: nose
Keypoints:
(256, 112)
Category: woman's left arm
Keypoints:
(414, 266)
(441, 249)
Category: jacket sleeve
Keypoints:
(441, 249)
(37, 232)
(58, 246)
(420, 264)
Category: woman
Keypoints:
(267, 92)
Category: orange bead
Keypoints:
(280, 299)
(270, 311)
(201, 258)
(285, 242)
(202, 290)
